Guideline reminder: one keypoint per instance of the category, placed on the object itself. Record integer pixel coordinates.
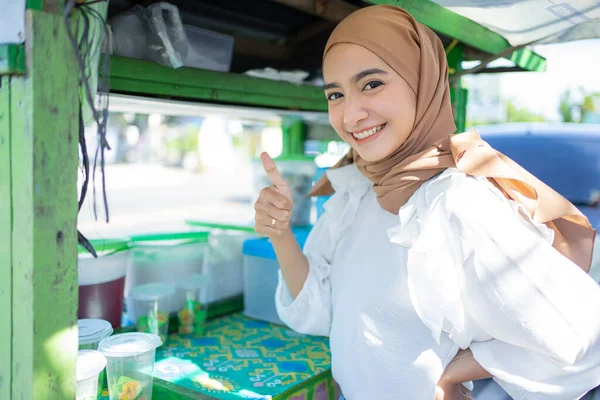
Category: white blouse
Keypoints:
(460, 266)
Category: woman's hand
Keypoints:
(274, 204)
(452, 391)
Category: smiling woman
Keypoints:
(438, 260)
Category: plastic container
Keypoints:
(299, 173)
(320, 200)
(102, 280)
(261, 276)
(90, 363)
(130, 364)
(149, 303)
(192, 312)
(164, 258)
(223, 261)
(208, 49)
(92, 331)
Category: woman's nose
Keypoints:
(354, 112)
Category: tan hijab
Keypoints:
(417, 55)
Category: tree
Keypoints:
(521, 114)
(578, 108)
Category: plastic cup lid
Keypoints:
(151, 291)
(89, 364)
(193, 281)
(129, 344)
(93, 330)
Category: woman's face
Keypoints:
(370, 106)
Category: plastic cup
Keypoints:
(89, 365)
(151, 302)
(192, 313)
(91, 332)
(130, 364)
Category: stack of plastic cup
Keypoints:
(151, 302)
(192, 313)
(89, 365)
(130, 364)
(91, 332)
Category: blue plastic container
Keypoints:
(260, 277)
(320, 200)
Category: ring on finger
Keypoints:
(273, 221)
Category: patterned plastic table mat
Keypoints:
(242, 358)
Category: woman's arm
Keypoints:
(293, 263)
(463, 368)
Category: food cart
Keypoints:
(40, 107)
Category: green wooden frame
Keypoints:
(41, 182)
(12, 59)
(149, 78)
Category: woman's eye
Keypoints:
(334, 96)
(372, 85)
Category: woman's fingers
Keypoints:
(270, 210)
(271, 195)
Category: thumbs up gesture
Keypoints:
(274, 204)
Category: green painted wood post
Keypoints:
(5, 242)
(43, 139)
(458, 94)
(294, 134)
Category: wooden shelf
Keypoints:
(147, 78)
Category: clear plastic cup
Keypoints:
(192, 313)
(130, 364)
(151, 302)
(89, 365)
(91, 332)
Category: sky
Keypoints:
(569, 65)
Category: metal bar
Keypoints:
(149, 78)
(44, 157)
(12, 59)
(466, 31)
(5, 242)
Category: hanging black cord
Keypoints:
(88, 48)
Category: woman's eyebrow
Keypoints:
(368, 72)
(357, 77)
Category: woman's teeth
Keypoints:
(366, 134)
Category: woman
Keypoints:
(437, 261)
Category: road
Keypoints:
(146, 198)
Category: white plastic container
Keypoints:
(102, 280)
(261, 276)
(224, 264)
(130, 364)
(150, 302)
(298, 173)
(92, 331)
(164, 258)
(89, 365)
